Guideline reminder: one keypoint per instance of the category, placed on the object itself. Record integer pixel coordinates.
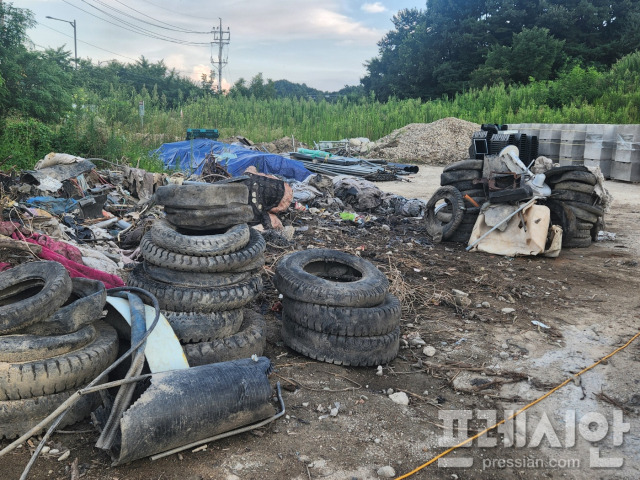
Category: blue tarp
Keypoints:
(189, 157)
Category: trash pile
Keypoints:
(203, 264)
(52, 342)
(479, 197)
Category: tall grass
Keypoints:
(111, 127)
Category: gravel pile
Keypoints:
(439, 143)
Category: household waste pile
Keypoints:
(52, 343)
(202, 263)
(337, 308)
(438, 143)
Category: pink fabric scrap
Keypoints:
(70, 257)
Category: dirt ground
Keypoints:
(484, 360)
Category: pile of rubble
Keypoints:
(438, 143)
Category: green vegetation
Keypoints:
(46, 105)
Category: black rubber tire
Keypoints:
(19, 416)
(345, 321)
(451, 177)
(575, 187)
(578, 242)
(249, 340)
(511, 195)
(20, 305)
(192, 263)
(202, 196)
(215, 218)
(455, 205)
(582, 233)
(166, 236)
(470, 164)
(573, 196)
(193, 327)
(465, 185)
(341, 350)
(478, 200)
(26, 348)
(83, 307)
(596, 210)
(193, 279)
(468, 220)
(584, 225)
(64, 372)
(197, 299)
(476, 192)
(575, 176)
(581, 214)
(558, 171)
(308, 274)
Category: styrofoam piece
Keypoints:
(163, 349)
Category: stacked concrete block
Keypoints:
(626, 165)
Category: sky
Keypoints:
(323, 43)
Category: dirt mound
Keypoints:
(439, 143)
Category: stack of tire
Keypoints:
(52, 343)
(203, 264)
(574, 205)
(337, 308)
(463, 194)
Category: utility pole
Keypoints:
(220, 38)
(75, 37)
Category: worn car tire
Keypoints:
(455, 205)
(341, 350)
(575, 176)
(60, 373)
(161, 257)
(19, 416)
(578, 242)
(470, 164)
(346, 321)
(83, 307)
(465, 185)
(249, 340)
(193, 279)
(581, 214)
(559, 171)
(166, 236)
(330, 277)
(194, 327)
(22, 302)
(25, 348)
(574, 186)
(573, 196)
(596, 210)
(214, 218)
(453, 176)
(202, 196)
(197, 299)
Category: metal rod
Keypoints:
(506, 219)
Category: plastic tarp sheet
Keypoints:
(189, 156)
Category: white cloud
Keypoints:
(373, 7)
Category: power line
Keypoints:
(87, 43)
(171, 11)
(177, 29)
(137, 30)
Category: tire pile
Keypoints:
(451, 209)
(337, 308)
(203, 264)
(574, 206)
(52, 343)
